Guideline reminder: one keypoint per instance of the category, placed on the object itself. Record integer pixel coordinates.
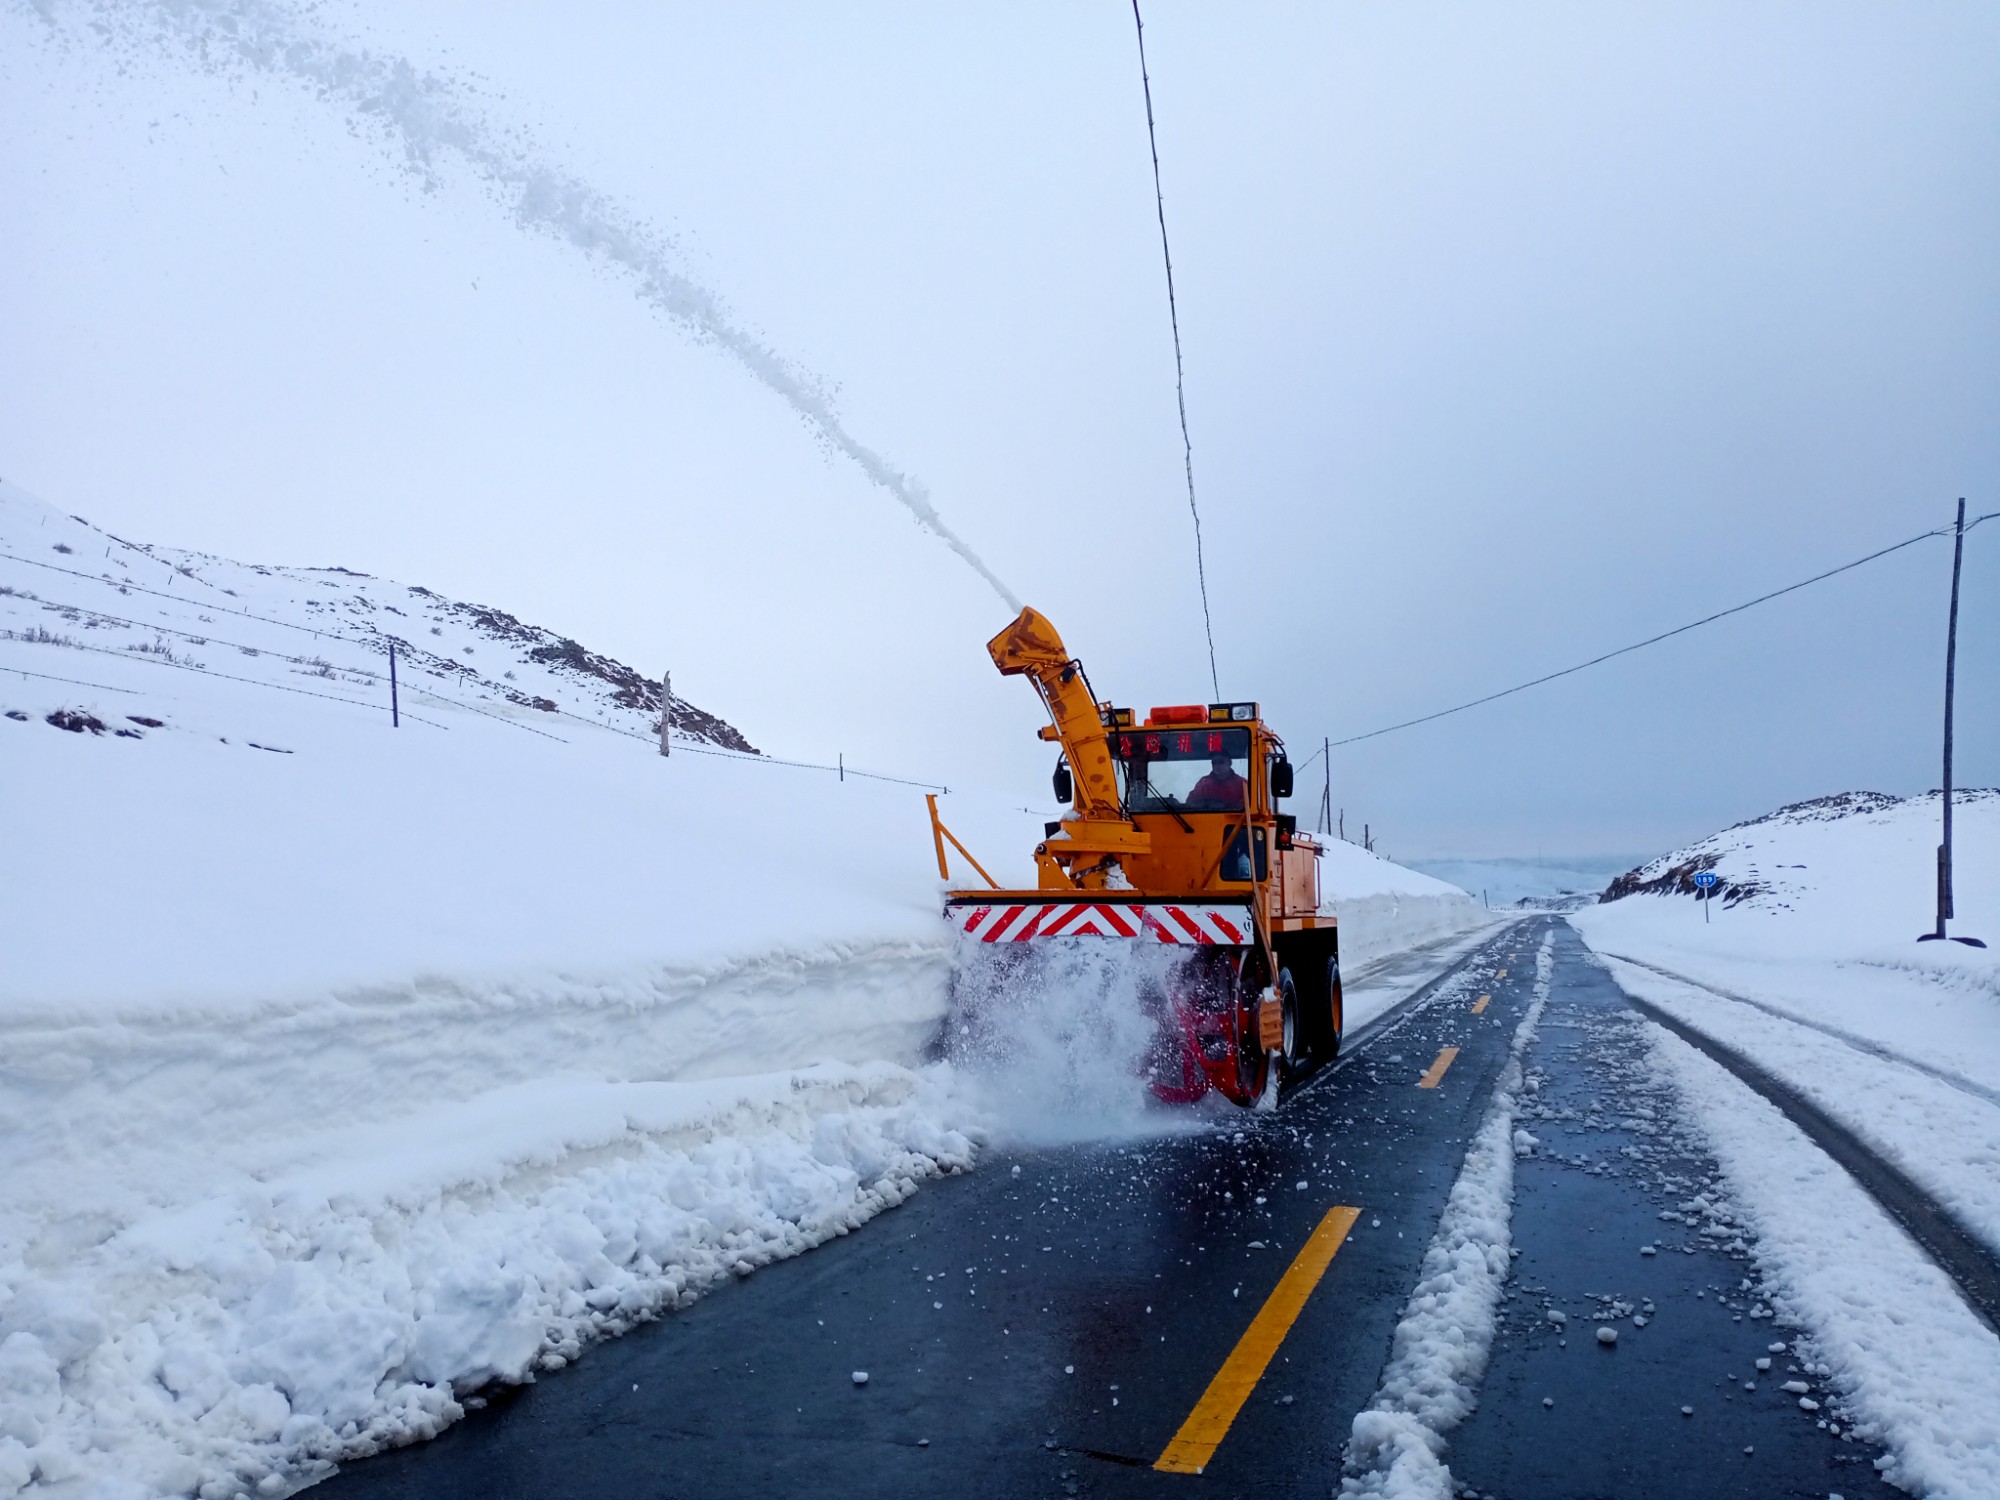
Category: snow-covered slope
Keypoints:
(1841, 885)
(1810, 964)
(92, 598)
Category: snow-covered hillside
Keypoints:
(1809, 963)
(344, 1067)
(95, 599)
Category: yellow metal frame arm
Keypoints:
(939, 833)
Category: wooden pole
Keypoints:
(666, 709)
(395, 709)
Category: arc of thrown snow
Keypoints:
(427, 113)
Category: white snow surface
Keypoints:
(344, 1068)
(1438, 1356)
(1886, 1328)
(1818, 978)
(1843, 885)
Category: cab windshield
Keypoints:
(1182, 770)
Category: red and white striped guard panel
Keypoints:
(1161, 921)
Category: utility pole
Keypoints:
(666, 709)
(1326, 797)
(395, 710)
(1944, 904)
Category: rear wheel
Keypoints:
(1336, 1012)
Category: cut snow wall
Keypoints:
(1373, 927)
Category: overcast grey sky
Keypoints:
(1512, 334)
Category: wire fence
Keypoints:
(680, 741)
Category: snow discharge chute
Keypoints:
(428, 114)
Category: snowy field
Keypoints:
(1814, 972)
(345, 1068)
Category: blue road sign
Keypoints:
(1706, 879)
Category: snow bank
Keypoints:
(1940, 1130)
(1384, 908)
(292, 1318)
(1913, 1366)
(1438, 1356)
(344, 1068)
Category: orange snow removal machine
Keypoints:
(1173, 838)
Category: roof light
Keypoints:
(1231, 713)
(1184, 713)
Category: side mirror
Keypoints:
(1064, 785)
(1281, 778)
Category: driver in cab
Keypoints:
(1221, 790)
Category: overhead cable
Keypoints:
(1180, 378)
(1654, 640)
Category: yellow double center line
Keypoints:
(1208, 1424)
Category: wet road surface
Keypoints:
(1612, 1159)
(1051, 1323)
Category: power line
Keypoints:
(1654, 640)
(1180, 378)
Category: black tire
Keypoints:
(1336, 1010)
(1295, 1054)
(1252, 1063)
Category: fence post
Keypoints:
(666, 708)
(395, 709)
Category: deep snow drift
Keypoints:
(346, 1067)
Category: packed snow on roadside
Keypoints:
(1385, 908)
(1813, 970)
(1891, 1354)
(1396, 1447)
(346, 1068)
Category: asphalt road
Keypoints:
(1055, 1322)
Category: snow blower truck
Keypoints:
(1173, 837)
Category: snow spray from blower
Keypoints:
(1054, 1038)
(429, 114)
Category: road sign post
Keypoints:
(1705, 882)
